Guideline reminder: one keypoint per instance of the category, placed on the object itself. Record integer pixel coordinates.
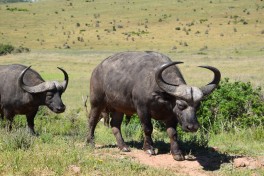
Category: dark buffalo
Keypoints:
(22, 91)
(149, 84)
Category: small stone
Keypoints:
(74, 169)
(241, 162)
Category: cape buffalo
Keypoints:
(22, 91)
(149, 84)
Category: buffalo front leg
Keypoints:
(92, 122)
(115, 123)
(10, 117)
(174, 146)
(30, 122)
(147, 127)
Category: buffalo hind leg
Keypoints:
(174, 146)
(30, 122)
(145, 120)
(115, 123)
(93, 119)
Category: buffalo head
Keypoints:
(187, 98)
(51, 89)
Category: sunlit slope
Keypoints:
(179, 26)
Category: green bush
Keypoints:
(232, 104)
(6, 49)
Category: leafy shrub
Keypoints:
(16, 9)
(232, 104)
(6, 49)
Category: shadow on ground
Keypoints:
(209, 158)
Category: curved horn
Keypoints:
(42, 87)
(167, 87)
(64, 84)
(212, 85)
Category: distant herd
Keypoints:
(146, 83)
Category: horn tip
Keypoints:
(27, 68)
(179, 62)
(202, 66)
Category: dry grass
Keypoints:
(225, 28)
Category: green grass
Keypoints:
(61, 143)
(55, 158)
(240, 141)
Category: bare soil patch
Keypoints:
(166, 161)
(202, 164)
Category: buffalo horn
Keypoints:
(167, 87)
(42, 87)
(211, 86)
(64, 84)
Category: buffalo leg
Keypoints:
(115, 123)
(174, 146)
(30, 122)
(2, 114)
(145, 120)
(10, 117)
(92, 122)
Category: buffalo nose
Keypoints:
(193, 127)
(61, 108)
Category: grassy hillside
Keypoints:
(215, 27)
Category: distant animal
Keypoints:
(149, 84)
(22, 91)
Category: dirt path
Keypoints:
(166, 161)
(205, 164)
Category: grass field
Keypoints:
(208, 27)
(78, 34)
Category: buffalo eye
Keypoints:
(181, 105)
(49, 95)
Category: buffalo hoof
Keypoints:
(35, 134)
(90, 143)
(150, 151)
(178, 157)
(125, 149)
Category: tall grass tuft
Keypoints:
(17, 139)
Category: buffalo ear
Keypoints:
(161, 97)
